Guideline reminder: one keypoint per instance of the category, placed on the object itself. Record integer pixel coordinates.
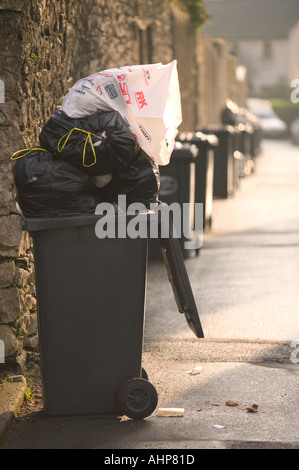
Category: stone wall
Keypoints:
(219, 79)
(207, 73)
(46, 45)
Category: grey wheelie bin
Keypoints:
(246, 133)
(91, 308)
(91, 296)
(247, 129)
(204, 170)
(177, 185)
(223, 181)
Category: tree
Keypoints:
(196, 10)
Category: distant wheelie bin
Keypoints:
(224, 164)
(91, 308)
(204, 170)
(178, 185)
(248, 134)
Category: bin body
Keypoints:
(238, 157)
(245, 146)
(91, 300)
(204, 170)
(256, 141)
(223, 179)
(177, 185)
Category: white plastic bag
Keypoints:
(146, 96)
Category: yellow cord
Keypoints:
(14, 157)
(66, 137)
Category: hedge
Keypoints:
(285, 109)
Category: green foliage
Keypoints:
(6, 378)
(285, 109)
(28, 395)
(196, 10)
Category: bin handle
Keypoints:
(14, 155)
(66, 137)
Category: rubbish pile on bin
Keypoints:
(109, 137)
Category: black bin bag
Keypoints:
(139, 182)
(50, 187)
(99, 143)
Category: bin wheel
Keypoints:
(137, 398)
(144, 374)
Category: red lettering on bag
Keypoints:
(106, 74)
(99, 89)
(125, 92)
(140, 99)
(120, 77)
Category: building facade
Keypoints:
(263, 35)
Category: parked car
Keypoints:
(271, 125)
(294, 130)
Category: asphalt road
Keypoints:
(245, 279)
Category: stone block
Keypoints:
(9, 305)
(27, 325)
(7, 273)
(11, 235)
(6, 188)
(12, 5)
(11, 344)
(31, 342)
(21, 278)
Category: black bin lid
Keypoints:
(199, 138)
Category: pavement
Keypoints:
(238, 387)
